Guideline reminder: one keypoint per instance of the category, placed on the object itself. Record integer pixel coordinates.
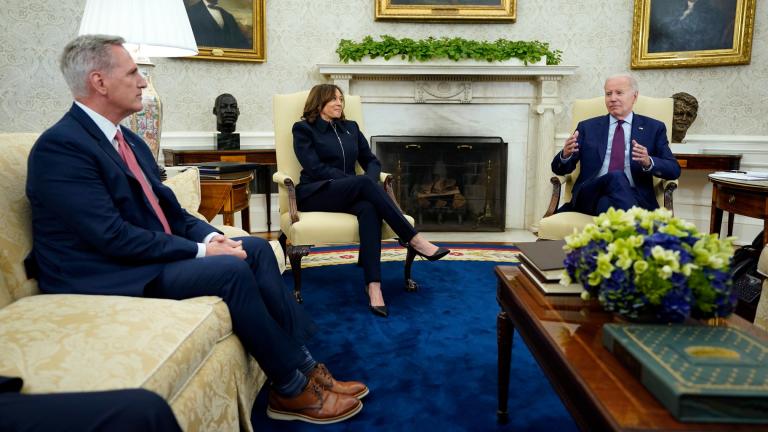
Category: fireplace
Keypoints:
(447, 183)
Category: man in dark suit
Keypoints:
(103, 223)
(213, 26)
(620, 153)
(114, 411)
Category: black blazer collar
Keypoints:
(323, 126)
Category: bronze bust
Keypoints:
(686, 110)
(226, 110)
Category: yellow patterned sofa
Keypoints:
(182, 350)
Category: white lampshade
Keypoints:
(154, 28)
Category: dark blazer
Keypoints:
(325, 156)
(593, 143)
(94, 231)
(208, 33)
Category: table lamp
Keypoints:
(151, 28)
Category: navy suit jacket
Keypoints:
(593, 143)
(94, 231)
(319, 151)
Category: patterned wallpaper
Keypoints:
(303, 33)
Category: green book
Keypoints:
(699, 373)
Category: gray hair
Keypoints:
(83, 55)
(632, 80)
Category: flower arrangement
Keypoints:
(640, 263)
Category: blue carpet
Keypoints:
(432, 363)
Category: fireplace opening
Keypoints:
(447, 183)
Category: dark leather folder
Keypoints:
(545, 255)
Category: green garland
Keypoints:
(451, 48)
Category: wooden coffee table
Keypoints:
(564, 334)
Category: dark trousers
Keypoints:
(119, 410)
(610, 190)
(363, 197)
(266, 318)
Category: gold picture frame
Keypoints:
(447, 10)
(237, 35)
(671, 34)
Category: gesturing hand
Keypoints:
(571, 145)
(640, 155)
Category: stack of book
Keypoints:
(542, 262)
(225, 169)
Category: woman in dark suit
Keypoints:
(327, 146)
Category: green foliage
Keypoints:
(450, 48)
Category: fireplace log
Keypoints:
(459, 201)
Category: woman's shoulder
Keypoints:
(302, 124)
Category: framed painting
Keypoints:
(231, 30)
(687, 33)
(446, 10)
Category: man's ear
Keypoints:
(96, 81)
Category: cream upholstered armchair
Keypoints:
(302, 230)
(555, 226)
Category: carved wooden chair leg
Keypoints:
(410, 284)
(295, 254)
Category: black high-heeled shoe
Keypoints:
(439, 253)
(377, 310)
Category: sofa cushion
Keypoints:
(68, 342)
(186, 186)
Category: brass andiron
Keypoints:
(487, 215)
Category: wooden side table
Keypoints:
(226, 196)
(746, 198)
(708, 161)
(266, 158)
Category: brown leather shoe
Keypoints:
(313, 405)
(323, 376)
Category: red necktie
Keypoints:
(130, 159)
(617, 149)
